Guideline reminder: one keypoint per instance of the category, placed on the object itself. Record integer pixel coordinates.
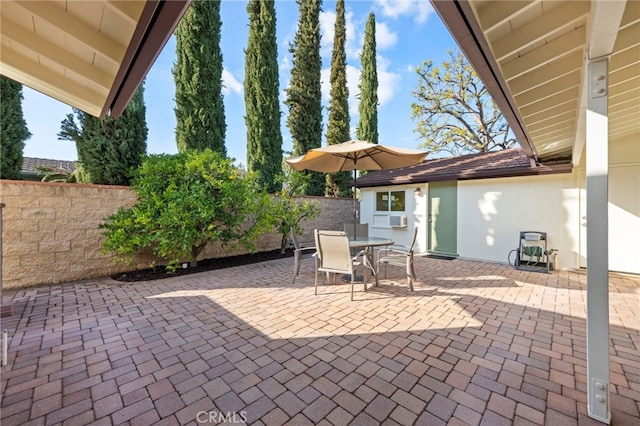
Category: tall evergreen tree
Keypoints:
(108, 149)
(200, 119)
(13, 129)
(304, 96)
(338, 126)
(368, 106)
(264, 137)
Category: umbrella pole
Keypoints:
(355, 203)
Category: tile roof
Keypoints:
(30, 164)
(505, 163)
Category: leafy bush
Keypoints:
(184, 202)
(54, 174)
(289, 212)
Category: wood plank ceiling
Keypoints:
(70, 50)
(541, 49)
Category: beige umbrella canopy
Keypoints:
(356, 155)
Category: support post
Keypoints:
(597, 161)
(1, 252)
(5, 345)
(5, 310)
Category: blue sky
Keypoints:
(408, 32)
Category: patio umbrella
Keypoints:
(356, 155)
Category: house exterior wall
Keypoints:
(624, 205)
(624, 218)
(50, 231)
(415, 210)
(492, 213)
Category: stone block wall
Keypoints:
(50, 231)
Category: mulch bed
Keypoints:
(160, 272)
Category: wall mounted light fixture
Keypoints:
(418, 192)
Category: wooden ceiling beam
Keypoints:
(128, 10)
(83, 33)
(562, 119)
(57, 85)
(499, 12)
(624, 77)
(567, 14)
(551, 89)
(557, 48)
(556, 109)
(54, 53)
(545, 75)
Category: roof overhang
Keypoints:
(472, 175)
(91, 55)
(488, 165)
(532, 56)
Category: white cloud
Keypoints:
(325, 84)
(419, 9)
(327, 29)
(353, 80)
(353, 44)
(388, 81)
(385, 38)
(230, 84)
(388, 85)
(285, 63)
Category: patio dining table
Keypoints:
(367, 244)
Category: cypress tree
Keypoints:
(338, 125)
(304, 97)
(108, 149)
(200, 119)
(264, 138)
(368, 106)
(13, 129)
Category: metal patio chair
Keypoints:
(399, 255)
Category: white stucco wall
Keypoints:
(415, 210)
(624, 218)
(624, 204)
(493, 212)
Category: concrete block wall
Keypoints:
(50, 231)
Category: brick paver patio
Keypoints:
(476, 343)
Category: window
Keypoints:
(390, 201)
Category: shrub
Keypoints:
(184, 202)
(289, 212)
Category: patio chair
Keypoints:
(301, 251)
(334, 256)
(362, 229)
(399, 255)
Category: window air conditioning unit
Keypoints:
(398, 221)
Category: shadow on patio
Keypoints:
(476, 343)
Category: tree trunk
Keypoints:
(195, 252)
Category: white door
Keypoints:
(582, 262)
